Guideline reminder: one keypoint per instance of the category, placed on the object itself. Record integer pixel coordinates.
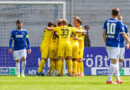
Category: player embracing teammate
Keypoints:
(80, 45)
(111, 34)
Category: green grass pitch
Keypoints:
(61, 83)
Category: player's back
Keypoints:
(113, 28)
(46, 37)
(54, 40)
(64, 34)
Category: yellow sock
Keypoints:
(70, 66)
(41, 65)
(59, 66)
(78, 68)
(75, 67)
(52, 66)
(81, 67)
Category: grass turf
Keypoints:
(61, 83)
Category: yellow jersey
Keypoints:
(54, 40)
(81, 38)
(64, 33)
(46, 37)
(53, 51)
(72, 39)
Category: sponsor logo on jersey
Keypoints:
(19, 36)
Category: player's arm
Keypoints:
(127, 44)
(80, 38)
(28, 43)
(55, 29)
(126, 37)
(50, 29)
(104, 38)
(77, 38)
(81, 31)
(122, 31)
(104, 33)
(56, 34)
(10, 43)
(127, 33)
(78, 31)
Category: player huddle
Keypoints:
(63, 42)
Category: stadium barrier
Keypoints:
(95, 60)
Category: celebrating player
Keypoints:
(53, 52)
(75, 49)
(45, 48)
(112, 29)
(64, 46)
(81, 48)
(20, 38)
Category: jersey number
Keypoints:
(111, 28)
(65, 32)
(54, 37)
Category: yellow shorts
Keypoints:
(75, 50)
(44, 50)
(80, 52)
(64, 49)
(53, 52)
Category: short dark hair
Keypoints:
(86, 26)
(50, 24)
(115, 11)
(69, 25)
(59, 23)
(64, 22)
(18, 21)
(79, 21)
